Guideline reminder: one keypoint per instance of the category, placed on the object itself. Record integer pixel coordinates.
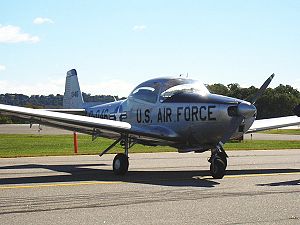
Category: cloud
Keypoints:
(139, 28)
(50, 86)
(42, 20)
(2, 67)
(121, 88)
(57, 86)
(13, 34)
(297, 84)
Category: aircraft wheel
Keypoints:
(217, 168)
(120, 164)
(223, 157)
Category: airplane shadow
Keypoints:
(285, 183)
(81, 173)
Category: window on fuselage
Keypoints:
(147, 94)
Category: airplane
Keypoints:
(177, 112)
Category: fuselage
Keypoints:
(199, 118)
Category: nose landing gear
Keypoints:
(218, 162)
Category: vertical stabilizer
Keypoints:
(72, 96)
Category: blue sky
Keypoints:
(115, 45)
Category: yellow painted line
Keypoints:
(252, 175)
(60, 184)
(261, 175)
(140, 181)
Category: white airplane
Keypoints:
(176, 112)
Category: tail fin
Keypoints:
(72, 96)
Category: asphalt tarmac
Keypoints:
(261, 187)
(44, 130)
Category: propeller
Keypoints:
(243, 111)
(262, 89)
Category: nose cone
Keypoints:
(246, 110)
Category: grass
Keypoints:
(282, 131)
(12, 145)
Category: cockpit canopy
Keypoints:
(163, 88)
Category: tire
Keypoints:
(217, 168)
(120, 164)
(223, 157)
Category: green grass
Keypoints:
(282, 131)
(46, 145)
(262, 145)
(12, 145)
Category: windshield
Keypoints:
(195, 87)
(162, 88)
(148, 94)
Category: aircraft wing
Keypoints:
(81, 112)
(87, 125)
(63, 120)
(274, 123)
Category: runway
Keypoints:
(44, 130)
(261, 187)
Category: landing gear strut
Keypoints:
(121, 162)
(218, 162)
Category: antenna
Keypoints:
(187, 75)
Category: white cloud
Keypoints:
(2, 67)
(42, 20)
(13, 34)
(121, 88)
(50, 86)
(139, 28)
(297, 84)
(57, 86)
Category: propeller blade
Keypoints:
(243, 111)
(262, 89)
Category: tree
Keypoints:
(219, 89)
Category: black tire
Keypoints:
(120, 164)
(223, 157)
(217, 168)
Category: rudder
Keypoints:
(72, 96)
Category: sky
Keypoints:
(115, 45)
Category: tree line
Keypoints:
(275, 102)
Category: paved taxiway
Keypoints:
(262, 187)
(262, 136)
(24, 129)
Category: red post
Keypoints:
(75, 143)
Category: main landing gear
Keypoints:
(121, 162)
(218, 162)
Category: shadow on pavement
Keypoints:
(285, 183)
(81, 173)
